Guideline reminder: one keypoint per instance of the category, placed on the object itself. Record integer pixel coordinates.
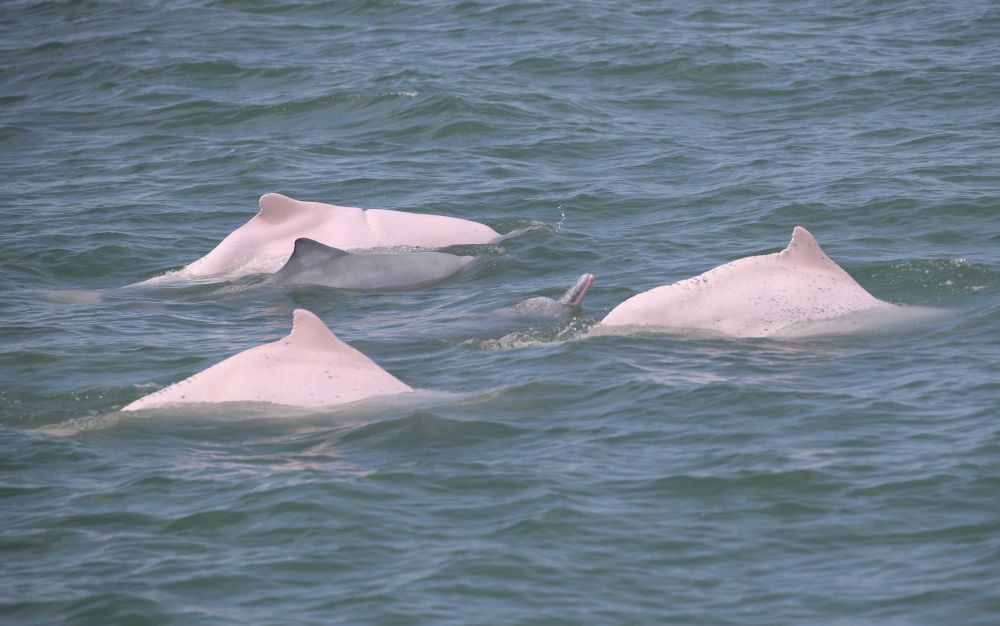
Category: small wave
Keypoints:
(74, 296)
(518, 230)
(576, 328)
(426, 425)
(936, 281)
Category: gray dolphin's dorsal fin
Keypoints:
(309, 332)
(304, 245)
(276, 208)
(804, 249)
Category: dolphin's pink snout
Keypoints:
(577, 292)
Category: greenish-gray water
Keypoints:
(543, 477)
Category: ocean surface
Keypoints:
(542, 475)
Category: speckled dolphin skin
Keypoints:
(312, 263)
(542, 307)
(310, 367)
(270, 235)
(755, 296)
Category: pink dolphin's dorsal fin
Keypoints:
(276, 208)
(804, 249)
(309, 331)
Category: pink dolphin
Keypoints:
(755, 296)
(267, 240)
(310, 367)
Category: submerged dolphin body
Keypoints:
(313, 263)
(267, 240)
(310, 367)
(755, 296)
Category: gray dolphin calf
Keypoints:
(313, 263)
(542, 307)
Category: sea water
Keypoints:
(544, 476)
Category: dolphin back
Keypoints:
(546, 308)
(307, 254)
(313, 263)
